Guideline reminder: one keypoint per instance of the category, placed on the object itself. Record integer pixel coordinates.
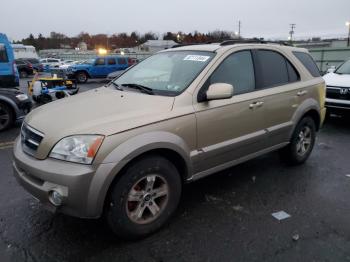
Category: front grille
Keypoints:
(337, 92)
(30, 139)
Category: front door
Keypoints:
(233, 128)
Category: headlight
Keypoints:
(22, 97)
(79, 149)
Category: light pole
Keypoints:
(348, 25)
(178, 37)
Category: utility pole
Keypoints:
(239, 28)
(291, 32)
(348, 25)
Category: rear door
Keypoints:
(111, 65)
(230, 129)
(122, 63)
(280, 82)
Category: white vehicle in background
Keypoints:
(338, 89)
(67, 63)
(51, 63)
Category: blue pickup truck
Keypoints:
(99, 67)
(9, 76)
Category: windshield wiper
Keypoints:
(145, 89)
(116, 86)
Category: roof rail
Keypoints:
(180, 45)
(252, 41)
(242, 41)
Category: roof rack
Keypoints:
(237, 41)
(242, 41)
(180, 45)
(252, 41)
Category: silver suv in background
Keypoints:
(125, 150)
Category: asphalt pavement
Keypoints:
(224, 217)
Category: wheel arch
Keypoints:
(84, 71)
(310, 107)
(165, 144)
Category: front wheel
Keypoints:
(301, 144)
(144, 198)
(82, 77)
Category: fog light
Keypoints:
(55, 198)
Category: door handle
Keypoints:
(256, 104)
(301, 93)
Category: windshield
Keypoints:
(344, 68)
(167, 73)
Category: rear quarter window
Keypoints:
(3, 55)
(308, 62)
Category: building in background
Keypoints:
(82, 46)
(154, 46)
(24, 51)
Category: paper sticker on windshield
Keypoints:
(198, 58)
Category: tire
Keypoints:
(7, 116)
(130, 194)
(81, 77)
(301, 144)
(23, 74)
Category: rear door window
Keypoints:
(111, 61)
(271, 69)
(308, 62)
(3, 54)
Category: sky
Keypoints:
(261, 18)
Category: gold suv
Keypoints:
(126, 149)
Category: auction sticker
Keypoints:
(198, 58)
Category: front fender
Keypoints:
(126, 152)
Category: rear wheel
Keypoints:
(301, 144)
(6, 116)
(144, 198)
(82, 77)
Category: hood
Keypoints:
(103, 111)
(333, 79)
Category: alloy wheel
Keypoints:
(147, 199)
(304, 140)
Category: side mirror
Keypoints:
(219, 91)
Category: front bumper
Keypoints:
(337, 104)
(80, 185)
